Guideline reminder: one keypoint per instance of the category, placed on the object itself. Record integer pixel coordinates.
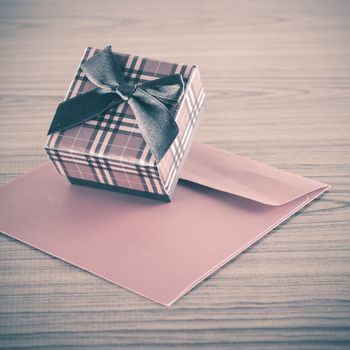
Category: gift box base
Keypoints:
(76, 181)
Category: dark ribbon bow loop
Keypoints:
(150, 101)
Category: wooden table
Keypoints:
(277, 80)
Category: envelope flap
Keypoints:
(244, 177)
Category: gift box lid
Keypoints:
(115, 134)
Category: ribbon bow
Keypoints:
(150, 101)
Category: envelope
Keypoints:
(223, 204)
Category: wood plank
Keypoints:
(277, 80)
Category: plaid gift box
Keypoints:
(109, 151)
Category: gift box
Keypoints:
(113, 150)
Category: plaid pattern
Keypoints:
(110, 149)
(187, 119)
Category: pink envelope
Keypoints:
(158, 250)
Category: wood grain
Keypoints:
(277, 80)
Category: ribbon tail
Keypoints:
(156, 123)
(81, 108)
